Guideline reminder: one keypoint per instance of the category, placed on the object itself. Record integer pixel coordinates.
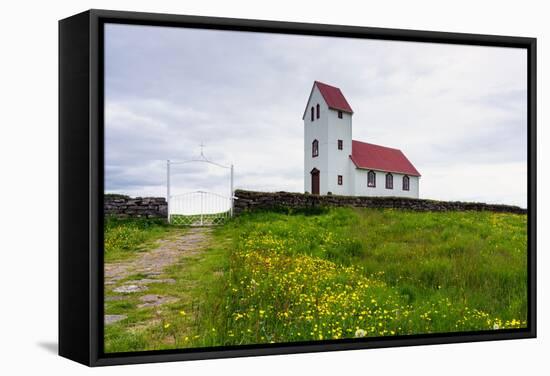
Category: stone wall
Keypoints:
(139, 207)
(250, 200)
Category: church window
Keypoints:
(405, 183)
(315, 148)
(312, 114)
(340, 144)
(318, 110)
(371, 179)
(340, 180)
(389, 181)
(340, 114)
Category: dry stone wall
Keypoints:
(250, 200)
(137, 207)
(156, 207)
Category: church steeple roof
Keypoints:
(332, 95)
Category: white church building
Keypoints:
(334, 163)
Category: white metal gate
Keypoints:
(199, 207)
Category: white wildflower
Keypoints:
(360, 333)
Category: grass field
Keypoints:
(339, 273)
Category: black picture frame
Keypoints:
(81, 184)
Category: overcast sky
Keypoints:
(459, 113)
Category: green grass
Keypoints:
(123, 238)
(339, 273)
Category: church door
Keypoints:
(315, 181)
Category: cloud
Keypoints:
(458, 112)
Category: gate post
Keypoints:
(202, 207)
(231, 193)
(168, 188)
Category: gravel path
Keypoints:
(151, 265)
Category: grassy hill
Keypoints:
(344, 272)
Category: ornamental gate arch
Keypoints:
(199, 207)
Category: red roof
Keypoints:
(376, 157)
(333, 96)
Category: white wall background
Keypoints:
(28, 155)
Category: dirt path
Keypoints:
(149, 267)
(152, 263)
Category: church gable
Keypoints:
(333, 97)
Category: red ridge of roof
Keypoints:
(376, 157)
(334, 97)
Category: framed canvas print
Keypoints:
(235, 187)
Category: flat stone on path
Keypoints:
(152, 300)
(147, 281)
(153, 274)
(111, 319)
(129, 289)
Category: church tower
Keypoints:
(327, 142)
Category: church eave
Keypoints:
(365, 167)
